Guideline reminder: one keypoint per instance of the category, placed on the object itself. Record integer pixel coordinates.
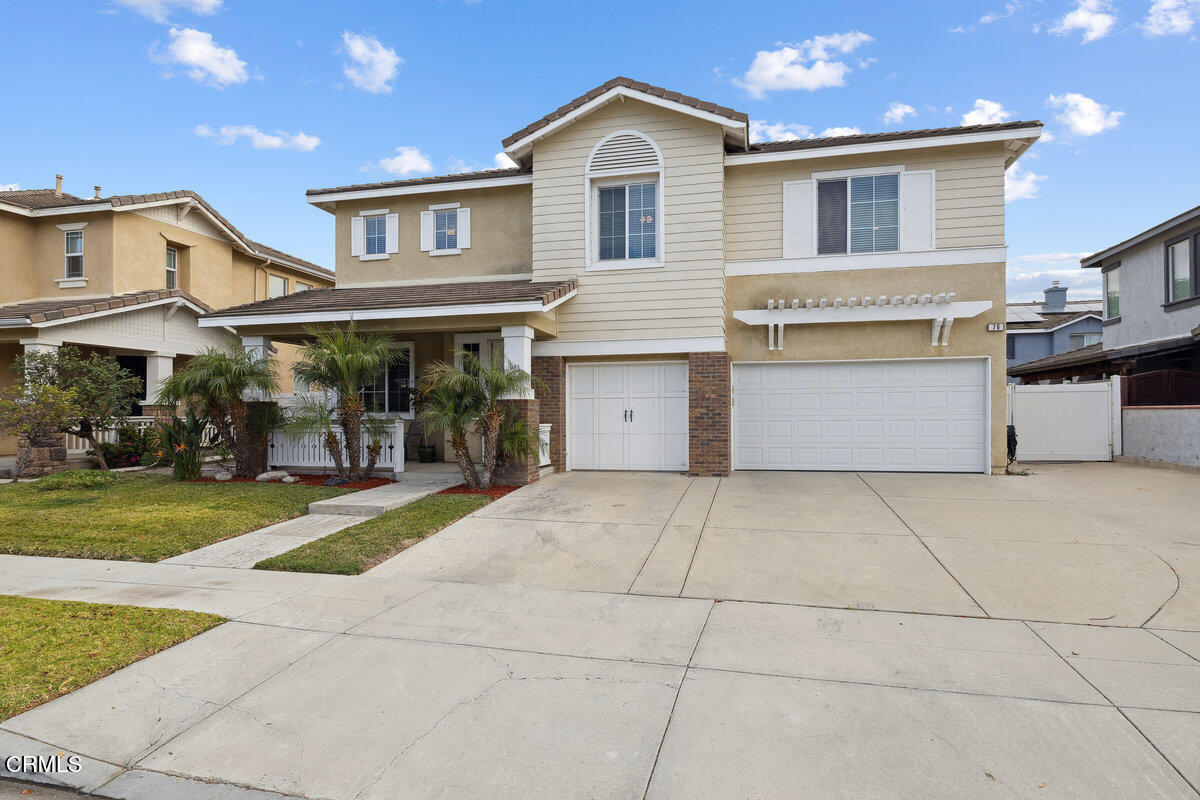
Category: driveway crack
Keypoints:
(1178, 583)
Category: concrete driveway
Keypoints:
(880, 636)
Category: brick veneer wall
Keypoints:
(551, 373)
(709, 401)
(521, 471)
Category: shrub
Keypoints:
(78, 479)
(130, 448)
(182, 440)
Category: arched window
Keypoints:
(624, 175)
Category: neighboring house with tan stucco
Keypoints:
(128, 275)
(692, 301)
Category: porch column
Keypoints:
(159, 367)
(50, 454)
(518, 351)
(258, 347)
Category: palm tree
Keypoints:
(217, 384)
(343, 362)
(454, 397)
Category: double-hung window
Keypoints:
(445, 229)
(172, 268)
(1112, 293)
(1181, 267)
(628, 221)
(73, 247)
(375, 235)
(859, 214)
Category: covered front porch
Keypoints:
(496, 319)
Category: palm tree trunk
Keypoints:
(335, 451)
(351, 419)
(465, 464)
(372, 456)
(491, 442)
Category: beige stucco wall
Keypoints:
(684, 298)
(16, 254)
(500, 237)
(968, 202)
(46, 261)
(968, 337)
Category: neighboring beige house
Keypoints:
(690, 300)
(129, 275)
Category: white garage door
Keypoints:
(628, 416)
(925, 415)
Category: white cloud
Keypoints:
(1021, 185)
(407, 161)
(761, 131)
(205, 60)
(1093, 17)
(160, 10)
(1083, 115)
(986, 112)
(9, 187)
(372, 65)
(502, 161)
(1025, 284)
(1171, 17)
(897, 112)
(1053, 259)
(280, 140)
(842, 131)
(809, 65)
(1010, 8)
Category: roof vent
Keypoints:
(58, 185)
(624, 152)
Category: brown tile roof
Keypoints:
(628, 83)
(434, 294)
(48, 310)
(455, 178)
(46, 198)
(890, 136)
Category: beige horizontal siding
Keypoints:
(685, 297)
(968, 203)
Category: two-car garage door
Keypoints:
(924, 415)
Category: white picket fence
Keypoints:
(77, 444)
(307, 451)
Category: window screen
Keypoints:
(874, 213)
(376, 235)
(445, 230)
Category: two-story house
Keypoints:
(1055, 325)
(693, 301)
(129, 275)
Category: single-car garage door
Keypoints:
(628, 416)
(924, 415)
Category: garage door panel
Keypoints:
(903, 415)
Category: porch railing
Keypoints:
(77, 444)
(307, 451)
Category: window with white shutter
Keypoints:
(445, 229)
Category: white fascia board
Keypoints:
(832, 151)
(14, 322)
(526, 142)
(179, 301)
(415, 312)
(810, 316)
(424, 188)
(293, 265)
(630, 347)
(924, 258)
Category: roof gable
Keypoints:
(736, 123)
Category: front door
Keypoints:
(628, 416)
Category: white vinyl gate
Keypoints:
(1067, 421)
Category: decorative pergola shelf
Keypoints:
(941, 309)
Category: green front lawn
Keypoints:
(358, 548)
(142, 517)
(51, 647)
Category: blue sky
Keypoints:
(251, 103)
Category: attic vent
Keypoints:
(624, 152)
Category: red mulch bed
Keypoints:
(496, 492)
(310, 480)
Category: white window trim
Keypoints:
(1104, 291)
(481, 339)
(847, 174)
(286, 286)
(449, 251)
(71, 283)
(592, 209)
(72, 226)
(67, 276)
(172, 272)
(380, 214)
(592, 182)
(410, 348)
